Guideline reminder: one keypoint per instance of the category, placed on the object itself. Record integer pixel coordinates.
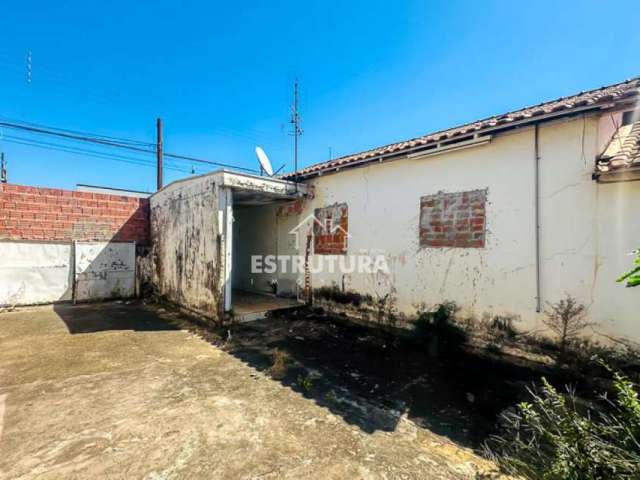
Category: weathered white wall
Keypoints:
(40, 272)
(105, 270)
(185, 251)
(35, 272)
(587, 229)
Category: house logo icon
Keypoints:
(312, 225)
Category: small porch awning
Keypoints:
(256, 190)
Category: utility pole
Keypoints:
(3, 169)
(159, 152)
(297, 131)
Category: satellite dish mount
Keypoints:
(265, 164)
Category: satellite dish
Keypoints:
(264, 161)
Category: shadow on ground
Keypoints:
(369, 379)
(86, 318)
(373, 380)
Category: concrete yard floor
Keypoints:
(118, 390)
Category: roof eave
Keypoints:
(618, 175)
(493, 130)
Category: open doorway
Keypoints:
(260, 240)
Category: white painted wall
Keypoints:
(40, 272)
(587, 229)
(34, 272)
(105, 270)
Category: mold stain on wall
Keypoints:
(186, 245)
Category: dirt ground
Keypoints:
(127, 391)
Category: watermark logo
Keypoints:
(336, 261)
(366, 264)
(312, 225)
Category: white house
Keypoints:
(500, 215)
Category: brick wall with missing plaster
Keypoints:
(292, 208)
(453, 219)
(331, 231)
(51, 214)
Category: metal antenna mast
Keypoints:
(3, 169)
(297, 131)
(29, 66)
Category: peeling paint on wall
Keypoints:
(331, 230)
(104, 270)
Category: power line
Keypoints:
(73, 136)
(199, 160)
(76, 132)
(107, 141)
(89, 153)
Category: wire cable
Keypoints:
(90, 153)
(111, 143)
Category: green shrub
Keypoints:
(632, 277)
(305, 382)
(281, 360)
(567, 319)
(553, 438)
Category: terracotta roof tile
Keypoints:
(600, 96)
(623, 150)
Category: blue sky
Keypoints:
(220, 74)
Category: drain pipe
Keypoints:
(536, 174)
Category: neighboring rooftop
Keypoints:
(623, 151)
(604, 97)
(80, 187)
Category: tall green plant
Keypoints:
(632, 277)
(552, 438)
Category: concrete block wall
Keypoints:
(51, 214)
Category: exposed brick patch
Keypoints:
(453, 219)
(291, 209)
(33, 213)
(331, 230)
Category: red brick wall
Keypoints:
(33, 213)
(331, 230)
(453, 219)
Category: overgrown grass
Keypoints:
(281, 360)
(555, 437)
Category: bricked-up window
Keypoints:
(453, 219)
(331, 230)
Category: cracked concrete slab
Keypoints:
(129, 395)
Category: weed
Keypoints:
(280, 361)
(503, 325)
(566, 319)
(305, 382)
(331, 397)
(551, 437)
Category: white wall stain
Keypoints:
(587, 228)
